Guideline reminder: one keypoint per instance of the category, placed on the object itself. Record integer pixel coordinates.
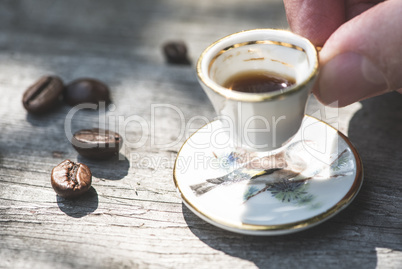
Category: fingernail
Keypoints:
(348, 78)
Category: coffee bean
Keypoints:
(86, 90)
(97, 143)
(43, 95)
(176, 52)
(71, 179)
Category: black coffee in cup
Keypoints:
(257, 81)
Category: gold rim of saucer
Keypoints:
(252, 97)
(290, 227)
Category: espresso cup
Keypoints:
(259, 121)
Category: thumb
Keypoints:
(363, 57)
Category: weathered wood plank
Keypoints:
(133, 217)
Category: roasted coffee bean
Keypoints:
(86, 90)
(176, 52)
(43, 95)
(97, 143)
(71, 179)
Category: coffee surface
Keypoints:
(257, 81)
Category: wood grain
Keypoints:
(133, 216)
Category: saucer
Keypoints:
(313, 177)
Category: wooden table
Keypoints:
(133, 216)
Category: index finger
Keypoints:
(315, 19)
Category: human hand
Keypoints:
(362, 46)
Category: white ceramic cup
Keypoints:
(259, 121)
